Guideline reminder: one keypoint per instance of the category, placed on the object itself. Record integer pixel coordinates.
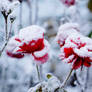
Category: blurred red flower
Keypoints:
(68, 2)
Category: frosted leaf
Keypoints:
(53, 83)
(47, 86)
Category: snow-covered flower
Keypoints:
(68, 2)
(11, 46)
(31, 41)
(77, 49)
(6, 7)
(64, 31)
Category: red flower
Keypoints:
(11, 47)
(42, 55)
(32, 46)
(31, 41)
(68, 2)
(77, 50)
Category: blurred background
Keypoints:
(18, 75)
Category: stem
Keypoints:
(6, 27)
(10, 31)
(38, 72)
(37, 10)
(3, 48)
(86, 80)
(77, 80)
(65, 81)
(20, 16)
(68, 76)
(8, 37)
(29, 2)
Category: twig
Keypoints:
(6, 28)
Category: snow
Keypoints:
(12, 44)
(83, 52)
(65, 30)
(30, 33)
(47, 85)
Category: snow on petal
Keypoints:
(66, 30)
(10, 49)
(30, 33)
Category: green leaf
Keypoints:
(90, 34)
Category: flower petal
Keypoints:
(86, 63)
(77, 63)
